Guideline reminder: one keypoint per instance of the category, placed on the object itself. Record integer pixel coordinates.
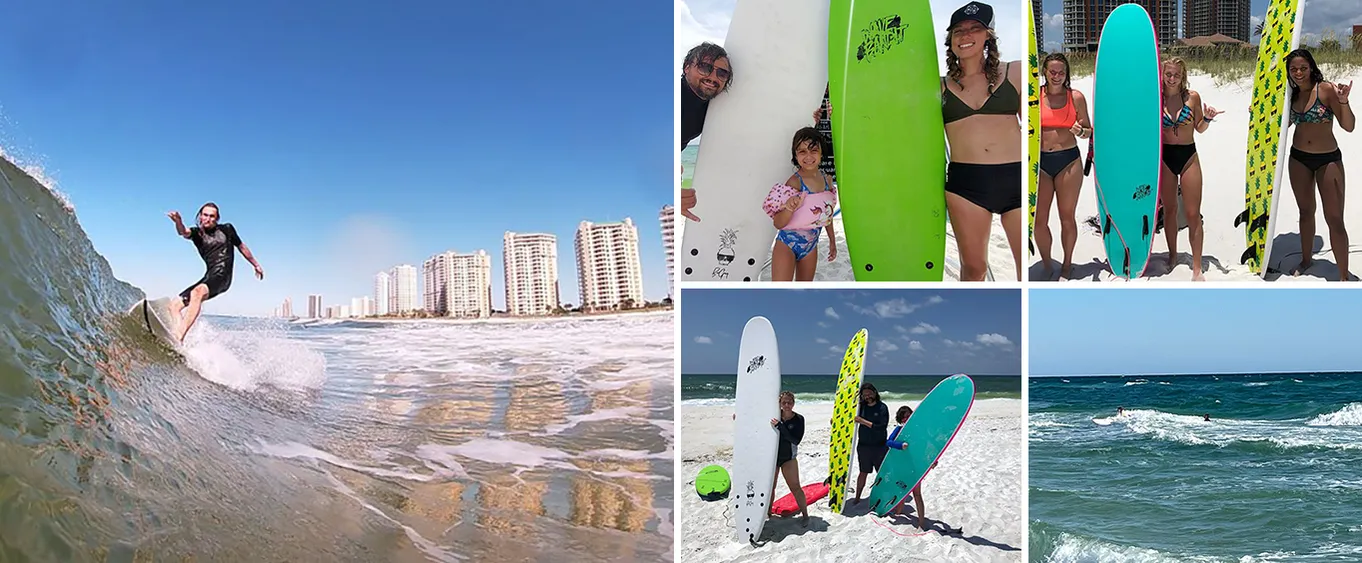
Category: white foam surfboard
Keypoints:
(155, 316)
(778, 50)
(754, 439)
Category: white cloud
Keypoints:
(895, 308)
(821, 341)
(832, 313)
(885, 346)
(698, 21)
(900, 329)
(915, 346)
(924, 328)
(703, 340)
(1324, 15)
(993, 339)
(1053, 25)
(823, 324)
(834, 349)
(950, 343)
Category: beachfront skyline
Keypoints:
(911, 332)
(1192, 331)
(368, 138)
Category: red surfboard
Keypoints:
(786, 506)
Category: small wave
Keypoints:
(1136, 382)
(1258, 384)
(1072, 548)
(1350, 415)
(1195, 431)
(247, 360)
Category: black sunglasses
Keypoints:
(706, 68)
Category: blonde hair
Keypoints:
(1182, 67)
(991, 60)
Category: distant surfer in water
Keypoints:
(790, 425)
(871, 437)
(706, 73)
(215, 243)
(1315, 157)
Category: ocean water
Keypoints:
(1275, 475)
(265, 441)
(894, 389)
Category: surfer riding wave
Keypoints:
(215, 243)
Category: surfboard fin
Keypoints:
(1241, 218)
(1145, 230)
(1250, 252)
(1106, 225)
(1125, 265)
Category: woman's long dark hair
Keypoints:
(1061, 58)
(1316, 77)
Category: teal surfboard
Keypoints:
(1126, 144)
(930, 429)
(888, 136)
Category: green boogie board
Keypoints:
(1126, 138)
(889, 138)
(930, 429)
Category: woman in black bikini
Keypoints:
(1315, 158)
(1063, 121)
(981, 107)
(791, 428)
(1183, 116)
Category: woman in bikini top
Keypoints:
(1316, 161)
(981, 110)
(1181, 173)
(1060, 178)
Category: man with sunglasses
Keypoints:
(706, 73)
(215, 243)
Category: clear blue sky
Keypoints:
(1187, 331)
(976, 331)
(343, 138)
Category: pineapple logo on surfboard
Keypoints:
(728, 240)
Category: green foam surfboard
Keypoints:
(889, 138)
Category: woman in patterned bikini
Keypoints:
(1315, 157)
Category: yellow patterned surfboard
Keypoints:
(844, 411)
(1032, 120)
(1267, 147)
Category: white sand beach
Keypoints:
(1000, 264)
(977, 488)
(1222, 153)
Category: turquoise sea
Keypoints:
(1275, 474)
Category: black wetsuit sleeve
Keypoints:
(194, 233)
(792, 430)
(879, 416)
(232, 237)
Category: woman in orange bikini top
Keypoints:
(1061, 176)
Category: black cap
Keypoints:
(977, 11)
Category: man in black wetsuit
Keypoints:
(706, 73)
(215, 243)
